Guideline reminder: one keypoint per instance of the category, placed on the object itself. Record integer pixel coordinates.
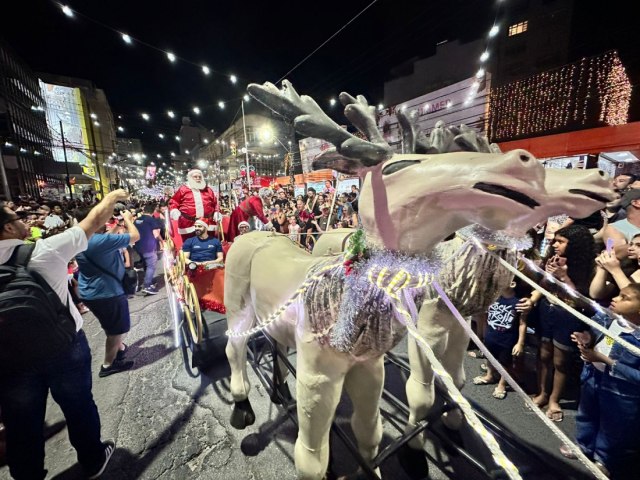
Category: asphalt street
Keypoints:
(171, 421)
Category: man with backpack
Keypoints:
(43, 346)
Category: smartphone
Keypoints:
(609, 245)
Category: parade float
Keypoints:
(349, 303)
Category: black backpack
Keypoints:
(35, 325)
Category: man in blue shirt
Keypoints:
(100, 287)
(203, 248)
(150, 229)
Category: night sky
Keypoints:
(257, 41)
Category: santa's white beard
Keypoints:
(196, 185)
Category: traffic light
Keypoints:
(234, 149)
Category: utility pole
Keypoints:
(3, 177)
(246, 147)
(95, 150)
(66, 163)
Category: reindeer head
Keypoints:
(410, 202)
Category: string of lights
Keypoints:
(130, 40)
(573, 95)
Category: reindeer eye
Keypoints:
(397, 166)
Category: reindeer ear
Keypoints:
(334, 160)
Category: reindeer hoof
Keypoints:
(413, 462)
(242, 415)
(285, 394)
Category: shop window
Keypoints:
(518, 28)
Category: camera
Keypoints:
(118, 208)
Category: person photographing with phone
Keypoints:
(571, 262)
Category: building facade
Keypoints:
(90, 124)
(268, 140)
(26, 157)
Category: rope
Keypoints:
(277, 314)
(498, 456)
(513, 384)
(556, 301)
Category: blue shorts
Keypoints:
(557, 325)
(501, 345)
(112, 313)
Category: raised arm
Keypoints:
(102, 212)
(132, 230)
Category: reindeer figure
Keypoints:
(408, 203)
(471, 278)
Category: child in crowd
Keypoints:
(294, 229)
(504, 337)
(571, 262)
(608, 419)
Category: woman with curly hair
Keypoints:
(570, 261)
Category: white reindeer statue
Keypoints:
(343, 324)
(472, 278)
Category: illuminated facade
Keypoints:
(25, 142)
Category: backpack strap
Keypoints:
(21, 255)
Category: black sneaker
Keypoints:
(116, 367)
(109, 448)
(121, 353)
(151, 290)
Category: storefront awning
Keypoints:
(616, 138)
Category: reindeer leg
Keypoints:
(433, 325)
(452, 361)
(364, 384)
(321, 374)
(242, 415)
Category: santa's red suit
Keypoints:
(194, 204)
(249, 207)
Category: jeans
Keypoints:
(150, 262)
(607, 427)
(23, 399)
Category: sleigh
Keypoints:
(196, 300)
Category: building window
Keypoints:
(518, 28)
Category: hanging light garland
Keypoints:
(592, 91)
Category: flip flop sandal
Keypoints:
(566, 452)
(499, 394)
(555, 415)
(475, 354)
(480, 380)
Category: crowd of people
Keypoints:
(597, 257)
(305, 217)
(94, 256)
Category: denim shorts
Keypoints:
(557, 325)
(112, 313)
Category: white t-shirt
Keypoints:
(53, 221)
(50, 259)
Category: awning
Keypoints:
(593, 140)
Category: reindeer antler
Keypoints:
(309, 119)
(362, 116)
(469, 140)
(413, 139)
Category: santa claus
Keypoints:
(192, 201)
(251, 206)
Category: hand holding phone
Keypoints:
(609, 245)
